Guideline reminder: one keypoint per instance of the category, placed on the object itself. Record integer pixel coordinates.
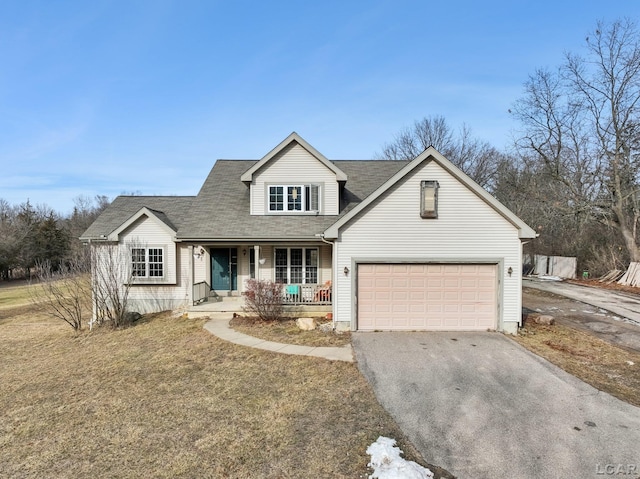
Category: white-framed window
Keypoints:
(296, 265)
(147, 262)
(294, 198)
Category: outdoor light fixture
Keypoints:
(346, 271)
(510, 271)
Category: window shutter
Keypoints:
(314, 202)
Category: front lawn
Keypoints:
(287, 331)
(603, 365)
(165, 398)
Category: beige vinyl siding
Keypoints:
(324, 273)
(243, 269)
(149, 233)
(174, 292)
(266, 269)
(295, 165)
(466, 230)
(201, 266)
(151, 298)
(170, 292)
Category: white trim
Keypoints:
(247, 176)
(144, 211)
(431, 154)
(304, 263)
(285, 198)
(497, 261)
(147, 278)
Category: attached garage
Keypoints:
(428, 250)
(427, 296)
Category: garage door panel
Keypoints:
(451, 282)
(427, 296)
(417, 308)
(416, 269)
(451, 296)
(399, 307)
(417, 294)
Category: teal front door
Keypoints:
(224, 269)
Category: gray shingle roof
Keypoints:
(170, 209)
(365, 176)
(221, 210)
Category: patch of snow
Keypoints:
(387, 463)
(573, 310)
(626, 320)
(630, 363)
(588, 312)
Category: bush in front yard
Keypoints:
(263, 299)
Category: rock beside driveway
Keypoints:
(541, 318)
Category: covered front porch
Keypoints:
(220, 273)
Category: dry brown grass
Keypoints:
(287, 331)
(167, 399)
(15, 294)
(604, 366)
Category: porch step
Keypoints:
(214, 297)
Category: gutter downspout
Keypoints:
(334, 270)
(192, 274)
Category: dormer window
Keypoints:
(294, 198)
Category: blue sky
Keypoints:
(105, 97)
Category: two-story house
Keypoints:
(387, 245)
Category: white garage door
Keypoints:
(436, 297)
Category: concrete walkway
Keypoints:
(218, 325)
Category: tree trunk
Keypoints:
(630, 243)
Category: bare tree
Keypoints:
(113, 275)
(85, 211)
(64, 292)
(476, 158)
(264, 299)
(581, 122)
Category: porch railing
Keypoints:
(200, 292)
(306, 294)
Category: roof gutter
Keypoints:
(306, 239)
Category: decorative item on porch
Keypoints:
(324, 293)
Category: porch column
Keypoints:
(256, 257)
(192, 275)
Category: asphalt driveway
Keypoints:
(481, 406)
(621, 303)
